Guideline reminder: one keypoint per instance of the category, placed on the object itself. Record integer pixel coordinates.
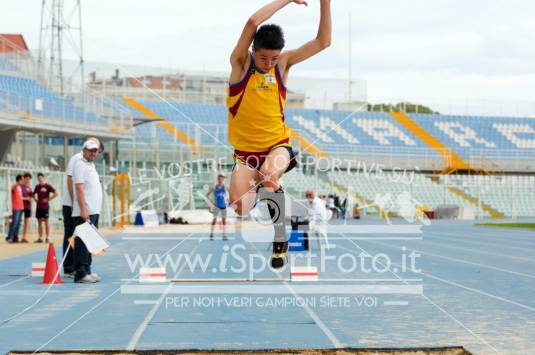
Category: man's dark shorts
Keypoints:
(41, 213)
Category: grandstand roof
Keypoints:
(12, 43)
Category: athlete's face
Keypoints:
(266, 59)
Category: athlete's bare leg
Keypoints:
(25, 228)
(47, 229)
(40, 228)
(243, 184)
(276, 163)
(214, 220)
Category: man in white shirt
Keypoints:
(317, 217)
(87, 205)
(67, 199)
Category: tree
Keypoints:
(402, 107)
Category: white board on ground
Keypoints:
(150, 218)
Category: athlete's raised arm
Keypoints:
(309, 49)
(239, 59)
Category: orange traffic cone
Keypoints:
(51, 269)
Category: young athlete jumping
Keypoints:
(256, 100)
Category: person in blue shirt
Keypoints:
(218, 198)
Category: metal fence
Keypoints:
(149, 190)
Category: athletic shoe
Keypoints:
(87, 279)
(38, 240)
(211, 237)
(46, 240)
(279, 255)
(69, 275)
(225, 237)
(96, 277)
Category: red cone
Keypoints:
(51, 268)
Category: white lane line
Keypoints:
(510, 238)
(324, 328)
(449, 315)
(368, 280)
(479, 292)
(476, 251)
(376, 238)
(503, 299)
(145, 301)
(476, 242)
(464, 261)
(170, 238)
(396, 303)
(14, 281)
(248, 289)
(143, 325)
(93, 308)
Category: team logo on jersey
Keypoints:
(263, 86)
(270, 78)
(265, 82)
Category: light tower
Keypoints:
(61, 30)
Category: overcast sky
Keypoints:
(451, 49)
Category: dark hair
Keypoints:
(27, 175)
(40, 174)
(18, 178)
(269, 37)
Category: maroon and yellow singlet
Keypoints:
(256, 112)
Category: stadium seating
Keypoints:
(332, 131)
(474, 136)
(35, 99)
(296, 183)
(204, 123)
(511, 195)
(421, 188)
(377, 133)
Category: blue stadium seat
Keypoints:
(338, 132)
(503, 136)
(332, 131)
(25, 93)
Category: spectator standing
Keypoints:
(17, 208)
(87, 205)
(67, 202)
(43, 194)
(27, 198)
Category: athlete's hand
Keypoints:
(301, 2)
